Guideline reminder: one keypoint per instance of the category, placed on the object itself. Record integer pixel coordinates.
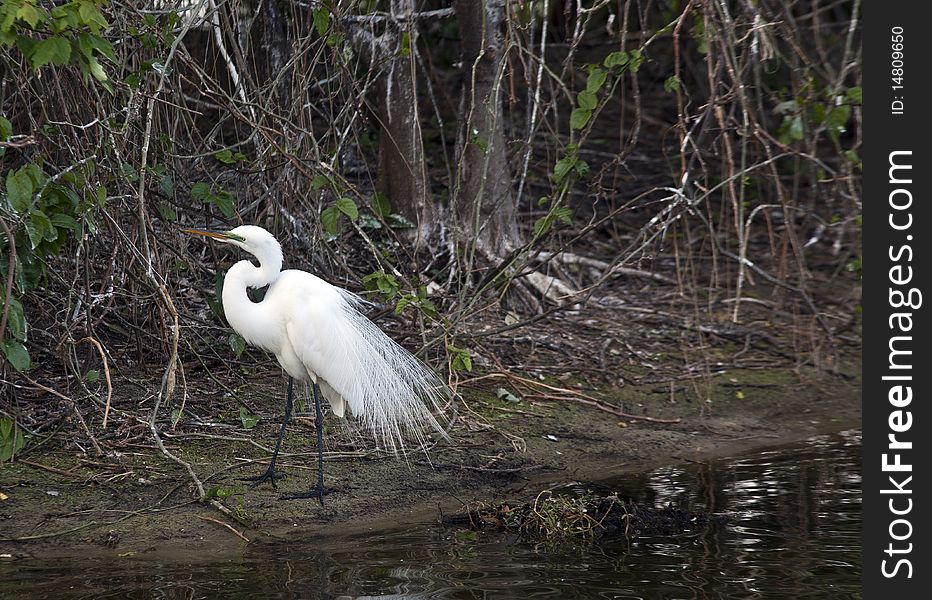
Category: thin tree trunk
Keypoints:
(484, 202)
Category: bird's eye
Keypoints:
(235, 237)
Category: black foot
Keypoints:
(318, 493)
(271, 475)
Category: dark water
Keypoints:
(794, 532)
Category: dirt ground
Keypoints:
(138, 503)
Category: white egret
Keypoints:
(320, 337)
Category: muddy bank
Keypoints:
(137, 503)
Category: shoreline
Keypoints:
(500, 453)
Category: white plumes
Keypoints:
(392, 393)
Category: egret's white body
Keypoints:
(318, 334)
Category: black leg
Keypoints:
(320, 491)
(270, 475)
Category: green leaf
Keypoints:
(11, 439)
(6, 129)
(17, 355)
(129, 173)
(563, 214)
(167, 213)
(396, 221)
(403, 303)
(382, 282)
(837, 119)
(96, 70)
(636, 59)
(462, 361)
(478, 141)
(200, 191)
(796, 130)
(43, 226)
(787, 106)
(852, 156)
(224, 201)
(563, 167)
(329, 219)
(321, 21)
(405, 44)
(19, 187)
(579, 118)
(818, 114)
(348, 208)
(92, 376)
(615, 59)
(167, 186)
(544, 224)
(215, 302)
(507, 396)
(63, 221)
(92, 17)
(368, 221)
(237, 344)
(248, 419)
(586, 100)
(672, 84)
(103, 46)
(596, 80)
(54, 49)
(855, 95)
(84, 46)
(321, 181)
(335, 39)
(380, 205)
(225, 156)
(28, 14)
(16, 321)
(26, 45)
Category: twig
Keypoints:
(227, 525)
(621, 413)
(481, 469)
(55, 470)
(42, 536)
(103, 357)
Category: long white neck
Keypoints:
(248, 318)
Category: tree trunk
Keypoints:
(484, 203)
(402, 170)
(277, 50)
(402, 173)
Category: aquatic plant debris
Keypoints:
(582, 517)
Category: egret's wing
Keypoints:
(389, 390)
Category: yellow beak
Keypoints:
(210, 234)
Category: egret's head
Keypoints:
(255, 240)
